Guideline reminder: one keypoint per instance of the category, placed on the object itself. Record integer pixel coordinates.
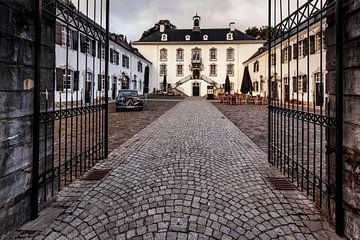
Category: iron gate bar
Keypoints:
(339, 117)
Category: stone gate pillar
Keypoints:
(17, 48)
(351, 110)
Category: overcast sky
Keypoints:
(133, 17)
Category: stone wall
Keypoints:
(17, 34)
(351, 109)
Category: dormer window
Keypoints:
(187, 37)
(229, 36)
(205, 37)
(164, 37)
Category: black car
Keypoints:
(129, 99)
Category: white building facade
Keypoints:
(193, 59)
(296, 65)
(80, 67)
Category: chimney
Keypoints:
(232, 26)
(162, 28)
(121, 37)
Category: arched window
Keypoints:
(196, 23)
(125, 83)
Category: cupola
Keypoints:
(196, 27)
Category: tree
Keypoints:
(156, 28)
(258, 33)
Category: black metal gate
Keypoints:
(305, 120)
(70, 107)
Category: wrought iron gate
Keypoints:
(70, 113)
(305, 124)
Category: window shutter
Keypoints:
(99, 50)
(111, 55)
(59, 79)
(108, 83)
(312, 44)
(93, 43)
(306, 47)
(59, 29)
(296, 50)
(76, 81)
(289, 53)
(117, 58)
(75, 40)
(304, 83)
(295, 84)
(99, 82)
(82, 43)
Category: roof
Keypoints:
(214, 34)
(260, 51)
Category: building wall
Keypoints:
(351, 109)
(243, 51)
(16, 105)
(297, 67)
(87, 61)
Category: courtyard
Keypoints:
(190, 174)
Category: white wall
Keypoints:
(243, 51)
(90, 63)
(297, 67)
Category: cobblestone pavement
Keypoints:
(191, 174)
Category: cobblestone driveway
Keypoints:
(191, 174)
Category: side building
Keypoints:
(193, 59)
(296, 72)
(80, 67)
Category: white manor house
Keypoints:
(193, 59)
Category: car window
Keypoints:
(128, 93)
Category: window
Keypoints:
(103, 82)
(180, 55)
(196, 55)
(164, 37)
(205, 37)
(213, 54)
(273, 59)
(285, 55)
(318, 41)
(317, 77)
(140, 67)
(213, 70)
(179, 70)
(135, 84)
(67, 80)
(114, 57)
(230, 70)
(230, 54)
(256, 66)
(305, 47)
(301, 49)
(89, 77)
(187, 37)
(286, 81)
(125, 61)
(101, 50)
(296, 51)
(163, 54)
(125, 83)
(229, 36)
(140, 85)
(163, 69)
(300, 84)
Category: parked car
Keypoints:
(128, 99)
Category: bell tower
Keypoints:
(197, 19)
